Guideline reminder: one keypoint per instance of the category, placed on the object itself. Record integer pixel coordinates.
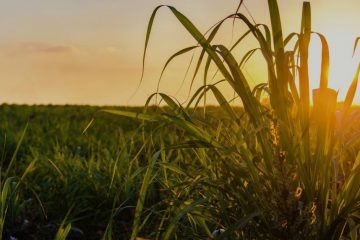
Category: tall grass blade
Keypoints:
(304, 85)
(13, 158)
(355, 45)
(140, 116)
(280, 88)
(180, 214)
(325, 62)
(181, 52)
(142, 195)
(147, 38)
(350, 94)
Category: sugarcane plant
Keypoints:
(269, 171)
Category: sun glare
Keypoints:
(342, 64)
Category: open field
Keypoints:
(89, 179)
(92, 180)
(74, 176)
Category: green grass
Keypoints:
(63, 177)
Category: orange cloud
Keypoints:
(45, 48)
(35, 48)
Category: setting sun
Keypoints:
(343, 64)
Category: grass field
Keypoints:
(76, 177)
(276, 168)
(91, 181)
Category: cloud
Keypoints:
(40, 59)
(31, 48)
(34, 47)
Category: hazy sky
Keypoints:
(89, 51)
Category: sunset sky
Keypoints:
(89, 51)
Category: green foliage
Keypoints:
(56, 168)
(272, 172)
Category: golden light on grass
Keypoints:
(298, 192)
